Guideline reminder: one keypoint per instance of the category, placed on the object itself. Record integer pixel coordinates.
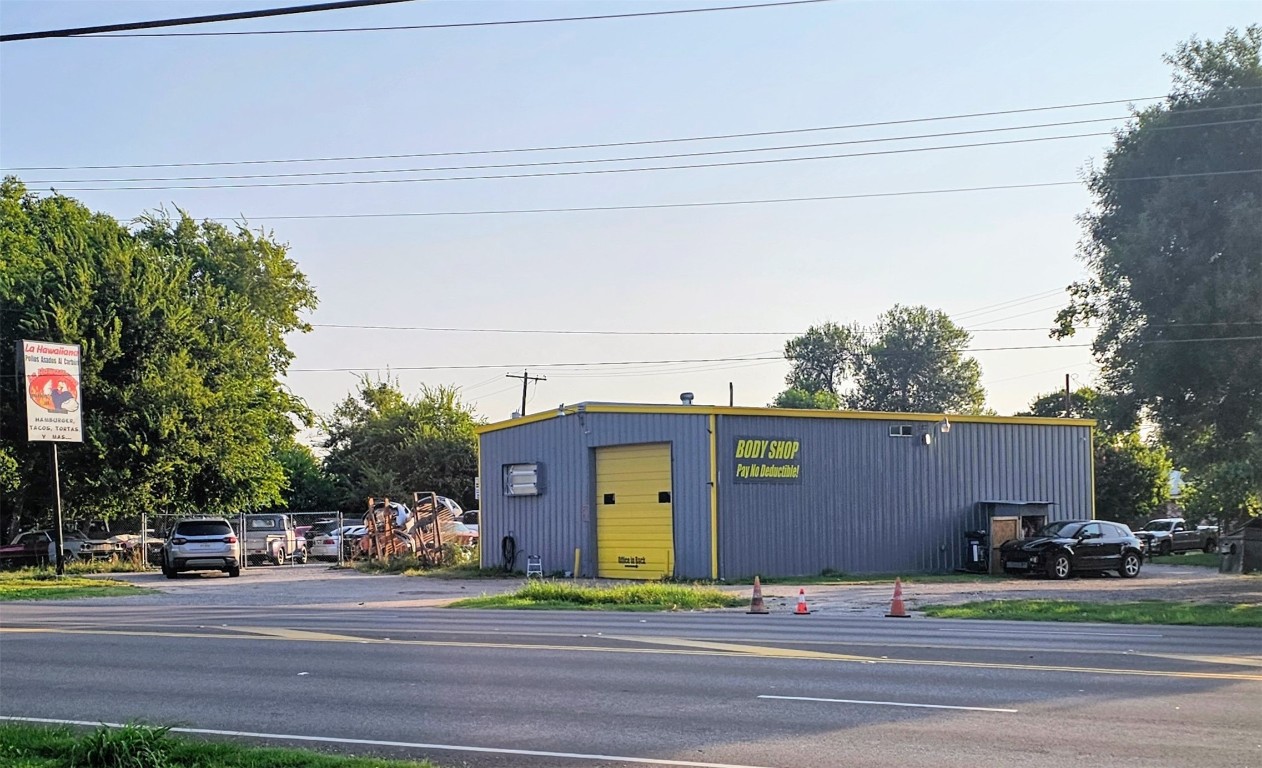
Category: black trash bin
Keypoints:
(977, 554)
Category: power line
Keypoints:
(636, 158)
(602, 171)
(722, 203)
(457, 25)
(606, 145)
(213, 18)
(571, 332)
(744, 150)
(1003, 305)
(613, 363)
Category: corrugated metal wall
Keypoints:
(554, 523)
(868, 502)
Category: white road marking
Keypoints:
(888, 704)
(1044, 633)
(401, 744)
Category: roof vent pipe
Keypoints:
(685, 398)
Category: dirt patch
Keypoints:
(1155, 582)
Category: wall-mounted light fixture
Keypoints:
(944, 426)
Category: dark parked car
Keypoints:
(1075, 546)
(33, 548)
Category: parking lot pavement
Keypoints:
(311, 585)
(1155, 582)
(321, 585)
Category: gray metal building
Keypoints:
(645, 491)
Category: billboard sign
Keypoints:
(53, 397)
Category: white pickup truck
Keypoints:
(271, 537)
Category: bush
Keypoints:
(132, 746)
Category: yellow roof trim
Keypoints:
(797, 413)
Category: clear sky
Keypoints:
(769, 268)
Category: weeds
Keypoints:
(30, 746)
(131, 746)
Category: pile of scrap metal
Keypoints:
(394, 530)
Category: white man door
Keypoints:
(635, 536)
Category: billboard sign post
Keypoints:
(54, 411)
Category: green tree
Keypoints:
(796, 397)
(308, 488)
(383, 444)
(182, 327)
(821, 359)
(917, 363)
(1132, 476)
(1172, 248)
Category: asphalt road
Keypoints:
(484, 688)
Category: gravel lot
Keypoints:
(319, 585)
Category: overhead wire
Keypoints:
(585, 161)
(602, 171)
(261, 13)
(453, 25)
(636, 158)
(617, 363)
(606, 145)
(718, 203)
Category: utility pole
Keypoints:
(1069, 413)
(526, 378)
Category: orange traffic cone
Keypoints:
(756, 605)
(801, 610)
(897, 609)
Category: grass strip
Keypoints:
(45, 585)
(1200, 559)
(651, 596)
(30, 746)
(1146, 612)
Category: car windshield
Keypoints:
(1159, 525)
(203, 528)
(1060, 530)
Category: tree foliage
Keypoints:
(182, 326)
(384, 444)
(1132, 475)
(821, 359)
(308, 488)
(796, 397)
(913, 361)
(918, 365)
(1173, 248)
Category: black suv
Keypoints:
(1073, 546)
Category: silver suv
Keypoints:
(201, 544)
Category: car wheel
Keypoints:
(1130, 566)
(1211, 547)
(300, 557)
(279, 558)
(168, 571)
(1059, 567)
(234, 571)
(1166, 548)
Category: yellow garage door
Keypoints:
(634, 526)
